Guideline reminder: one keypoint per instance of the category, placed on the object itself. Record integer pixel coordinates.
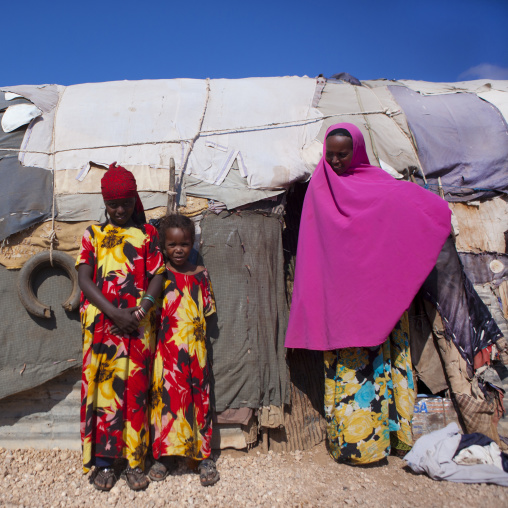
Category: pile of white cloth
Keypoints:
(435, 454)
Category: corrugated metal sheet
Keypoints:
(47, 417)
(44, 417)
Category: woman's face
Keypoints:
(339, 152)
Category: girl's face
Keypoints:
(120, 210)
(178, 246)
(339, 152)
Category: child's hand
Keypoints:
(115, 330)
(125, 322)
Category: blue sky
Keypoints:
(78, 42)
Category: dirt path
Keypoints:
(53, 478)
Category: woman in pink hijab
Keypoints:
(366, 244)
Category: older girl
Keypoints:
(119, 268)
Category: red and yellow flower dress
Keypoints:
(117, 370)
(181, 420)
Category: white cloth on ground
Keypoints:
(476, 454)
(433, 454)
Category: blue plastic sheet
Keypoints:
(462, 139)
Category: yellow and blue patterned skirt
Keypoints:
(369, 399)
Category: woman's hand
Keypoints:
(125, 322)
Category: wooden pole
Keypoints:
(441, 191)
(264, 442)
(171, 208)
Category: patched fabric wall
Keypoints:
(243, 255)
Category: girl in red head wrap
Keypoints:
(119, 184)
(119, 269)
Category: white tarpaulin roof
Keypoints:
(375, 112)
(490, 90)
(18, 115)
(250, 138)
(262, 123)
(476, 86)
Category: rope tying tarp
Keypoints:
(214, 132)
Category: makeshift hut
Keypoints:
(240, 149)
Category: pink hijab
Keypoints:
(366, 244)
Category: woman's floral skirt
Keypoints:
(369, 399)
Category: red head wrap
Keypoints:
(119, 183)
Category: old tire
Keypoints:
(26, 278)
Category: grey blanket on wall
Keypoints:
(243, 254)
(35, 350)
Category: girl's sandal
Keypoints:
(102, 478)
(158, 472)
(135, 478)
(208, 474)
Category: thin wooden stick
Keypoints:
(171, 208)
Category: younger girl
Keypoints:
(181, 420)
(120, 274)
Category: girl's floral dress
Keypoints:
(181, 421)
(117, 369)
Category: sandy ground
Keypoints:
(33, 478)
